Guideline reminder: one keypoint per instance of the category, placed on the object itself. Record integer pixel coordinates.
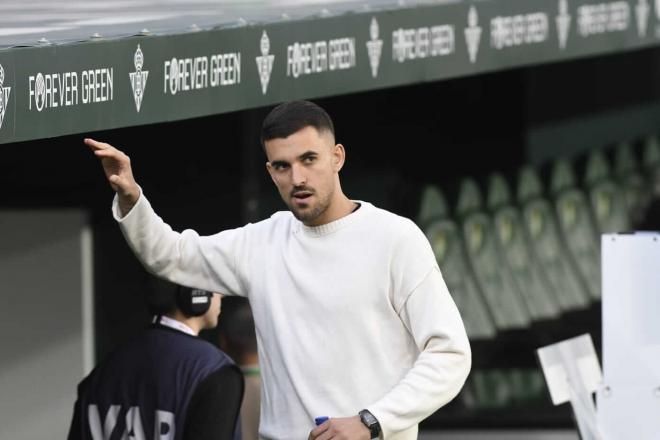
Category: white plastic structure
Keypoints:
(572, 373)
(629, 398)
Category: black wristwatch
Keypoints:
(370, 422)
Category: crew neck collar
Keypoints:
(333, 226)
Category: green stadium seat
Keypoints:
(576, 225)
(490, 388)
(525, 386)
(651, 154)
(499, 388)
(493, 277)
(447, 244)
(432, 206)
(547, 244)
(632, 181)
(512, 243)
(606, 196)
(651, 164)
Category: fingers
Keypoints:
(319, 430)
(101, 149)
(327, 435)
(107, 151)
(96, 145)
(110, 153)
(340, 428)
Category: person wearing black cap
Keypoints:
(166, 383)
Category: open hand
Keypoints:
(117, 168)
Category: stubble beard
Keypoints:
(308, 215)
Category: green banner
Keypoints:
(54, 90)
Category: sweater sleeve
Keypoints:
(438, 374)
(185, 258)
(214, 407)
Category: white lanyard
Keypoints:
(173, 323)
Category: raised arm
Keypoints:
(206, 262)
(117, 168)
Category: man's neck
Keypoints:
(193, 322)
(342, 207)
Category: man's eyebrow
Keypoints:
(279, 163)
(307, 154)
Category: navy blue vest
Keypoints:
(145, 386)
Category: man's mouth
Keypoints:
(301, 196)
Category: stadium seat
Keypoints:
(493, 277)
(447, 244)
(632, 181)
(547, 244)
(605, 196)
(651, 154)
(492, 388)
(527, 386)
(651, 164)
(512, 243)
(432, 206)
(499, 388)
(576, 225)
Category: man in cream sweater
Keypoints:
(353, 317)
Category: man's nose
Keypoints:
(298, 175)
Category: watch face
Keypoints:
(369, 419)
(370, 422)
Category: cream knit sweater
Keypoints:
(349, 315)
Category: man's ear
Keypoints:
(338, 157)
(270, 170)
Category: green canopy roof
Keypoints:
(73, 67)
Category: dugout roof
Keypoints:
(76, 66)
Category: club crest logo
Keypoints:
(563, 23)
(374, 47)
(4, 95)
(473, 34)
(138, 78)
(265, 62)
(642, 11)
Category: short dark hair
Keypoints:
(293, 116)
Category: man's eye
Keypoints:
(309, 159)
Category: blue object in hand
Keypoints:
(320, 420)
